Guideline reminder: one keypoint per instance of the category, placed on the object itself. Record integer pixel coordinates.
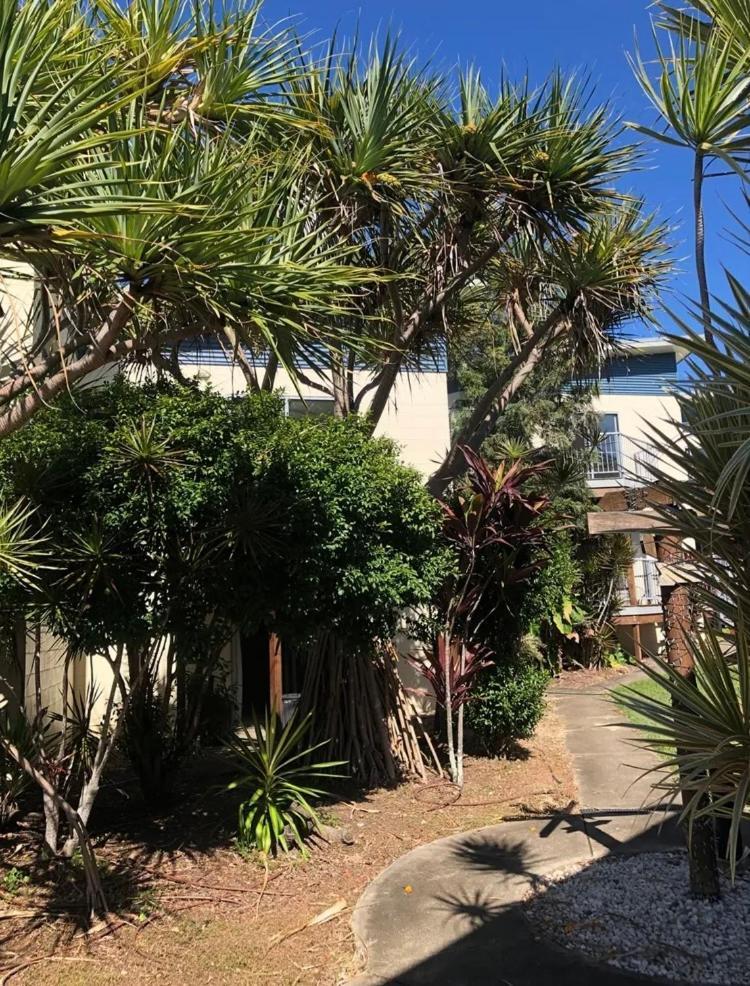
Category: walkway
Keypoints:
(449, 914)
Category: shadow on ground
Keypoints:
(451, 914)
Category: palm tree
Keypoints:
(701, 96)
(146, 193)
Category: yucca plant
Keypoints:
(708, 725)
(282, 783)
(704, 477)
(22, 548)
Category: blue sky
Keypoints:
(592, 36)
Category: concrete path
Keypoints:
(610, 770)
(449, 913)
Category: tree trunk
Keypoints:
(700, 246)
(361, 710)
(447, 646)
(460, 727)
(94, 891)
(339, 384)
(98, 354)
(704, 870)
(493, 403)
(51, 823)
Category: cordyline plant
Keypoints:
(493, 524)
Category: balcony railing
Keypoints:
(618, 457)
(646, 586)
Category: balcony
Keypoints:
(620, 461)
(642, 586)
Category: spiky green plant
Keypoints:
(708, 726)
(277, 772)
(154, 190)
(701, 96)
(707, 716)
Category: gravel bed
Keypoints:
(636, 913)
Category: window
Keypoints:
(298, 408)
(607, 462)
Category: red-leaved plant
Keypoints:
(494, 527)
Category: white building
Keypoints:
(636, 393)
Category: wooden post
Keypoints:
(276, 688)
(637, 643)
(632, 588)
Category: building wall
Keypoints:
(416, 416)
(17, 295)
(51, 672)
(652, 639)
(638, 412)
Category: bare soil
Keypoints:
(582, 679)
(188, 908)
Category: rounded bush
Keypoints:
(507, 705)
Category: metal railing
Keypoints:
(646, 583)
(618, 457)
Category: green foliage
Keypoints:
(13, 880)
(547, 408)
(166, 503)
(277, 772)
(143, 176)
(552, 592)
(701, 730)
(178, 516)
(129, 528)
(13, 779)
(507, 704)
(706, 716)
(365, 531)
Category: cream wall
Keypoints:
(51, 672)
(17, 295)
(637, 412)
(416, 416)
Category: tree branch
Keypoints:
(99, 353)
(496, 398)
(429, 308)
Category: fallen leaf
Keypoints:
(408, 889)
(328, 914)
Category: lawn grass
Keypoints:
(647, 688)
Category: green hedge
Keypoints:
(507, 705)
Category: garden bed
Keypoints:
(189, 908)
(636, 913)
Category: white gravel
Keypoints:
(636, 913)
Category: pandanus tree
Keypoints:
(565, 302)
(494, 529)
(145, 196)
(447, 189)
(701, 96)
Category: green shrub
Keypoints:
(281, 782)
(507, 705)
